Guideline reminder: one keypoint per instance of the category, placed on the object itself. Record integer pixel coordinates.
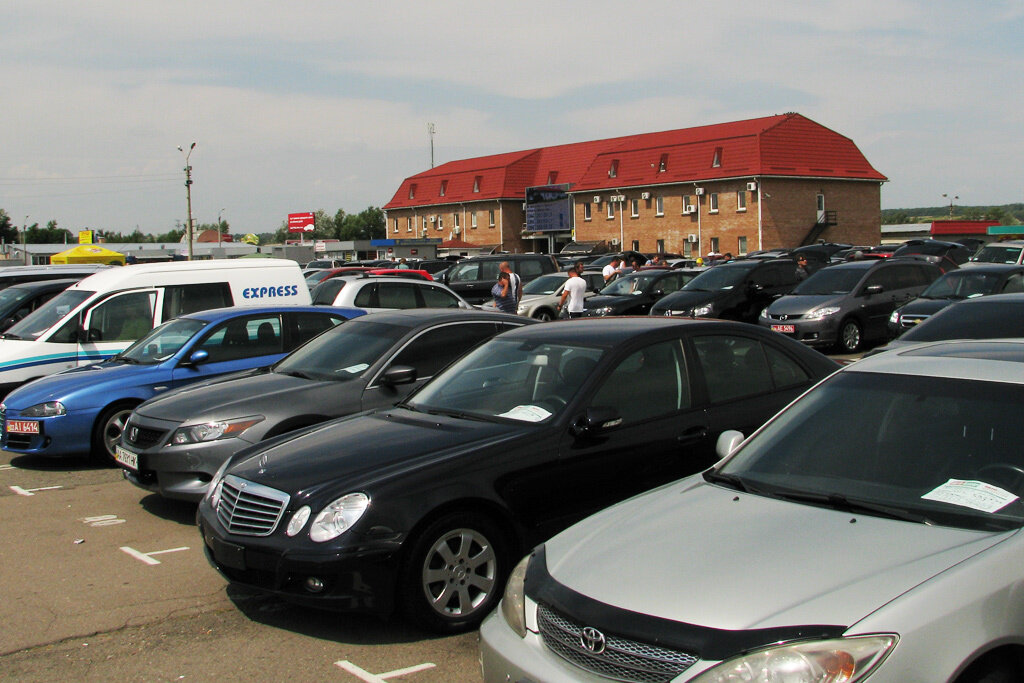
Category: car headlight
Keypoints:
(823, 312)
(298, 520)
(213, 492)
(895, 317)
(211, 431)
(703, 311)
(48, 409)
(842, 660)
(513, 603)
(764, 313)
(338, 517)
(604, 310)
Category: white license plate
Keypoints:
(22, 427)
(785, 329)
(126, 457)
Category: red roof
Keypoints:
(962, 227)
(457, 244)
(783, 145)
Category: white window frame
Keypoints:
(611, 210)
(634, 208)
(491, 219)
(686, 203)
(440, 222)
(741, 245)
(713, 202)
(456, 217)
(587, 212)
(444, 187)
(395, 228)
(659, 206)
(741, 201)
(472, 219)
(714, 245)
(408, 224)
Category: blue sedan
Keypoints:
(84, 409)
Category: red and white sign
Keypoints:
(300, 222)
(22, 427)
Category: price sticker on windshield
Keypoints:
(968, 493)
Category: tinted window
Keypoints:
(342, 353)
(544, 285)
(397, 295)
(327, 291)
(47, 315)
(785, 371)
(434, 349)
(974, 321)
(309, 325)
(1014, 283)
(465, 272)
(184, 299)
(830, 281)
(366, 297)
(529, 269)
(244, 338)
(909, 276)
(719, 277)
(163, 342)
(435, 297)
(648, 383)
(734, 367)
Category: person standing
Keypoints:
(504, 298)
(515, 281)
(801, 268)
(575, 289)
(612, 269)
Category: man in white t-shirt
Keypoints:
(612, 269)
(575, 289)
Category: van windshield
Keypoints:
(47, 315)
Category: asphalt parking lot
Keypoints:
(103, 581)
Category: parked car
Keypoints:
(962, 283)
(541, 296)
(385, 292)
(848, 304)
(737, 290)
(84, 409)
(998, 316)
(1010, 251)
(472, 278)
(325, 263)
(635, 293)
(426, 505)
(372, 362)
(946, 255)
(628, 257)
(12, 275)
(871, 531)
(18, 300)
(318, 277)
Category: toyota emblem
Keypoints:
(592, 640)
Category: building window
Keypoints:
(395, 224)
(613, 170)
(687, 248)
(408, 224)
(472, 220)
(444, 187)
(476, 185)
(636, 246)
(713, 203)
(456, 217)
(663, 163)
(659, 206)
(714, 245)
(717, 160)
(687, 204)
(552, 177)
(661, 246)
(611, 209)
(424, 225)
(741, 201)
(741, 245)
(634, 208)
(412, 191)
(440, 222)
(491, 218)
(586, 211)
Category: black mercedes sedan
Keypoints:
(425, 506)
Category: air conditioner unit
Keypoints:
(689, 208)
(698, 191)
(619, 198)
(457, 230)
(645, 195)
(691, 238)
(752, 187)
(597, 199)
(433, 219)
(615, 241)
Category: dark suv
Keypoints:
(946, 255)
(737, 290)
(473, 278)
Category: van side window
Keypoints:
(124, 317)
(529, 269)
(182, 299)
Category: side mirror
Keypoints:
(398, 374)
(596, 420)
(197, 357)
(727, 442)
(873, 289)
(658, 292)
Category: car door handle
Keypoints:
(692, 434)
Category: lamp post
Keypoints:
(188, 194)
(24, 239)
(220, 227)
(951, 199)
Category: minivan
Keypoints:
(103, 314)
(1010, 251)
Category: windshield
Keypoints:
(11, 298)
(631, 285)
(162, 342)
(545, 284)
(47, 315)
(722, 277)
(962, 284)
(976, 320)
(830, 281)
(510, 379)
(927, 449)
(995, 253)
(317, 276)
(341, 353)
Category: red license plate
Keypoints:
(22, 427)
(785, 329)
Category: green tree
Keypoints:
(368, 224)
(8, 232)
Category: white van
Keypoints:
(103, 314)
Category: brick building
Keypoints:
(777, 181)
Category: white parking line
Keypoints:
(148, 557)
(31, 492)
(6, 467)
(364, 675)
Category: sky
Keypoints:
(325, 105)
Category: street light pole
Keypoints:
(220, 227)
(24, 240)
(954, 197)
(188, 194)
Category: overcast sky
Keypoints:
(325, 105)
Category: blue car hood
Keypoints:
(86, 385)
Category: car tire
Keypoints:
(850, 336)
(543, 315)
(455, 572)
(106, 432)
(997, 670)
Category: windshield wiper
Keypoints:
(459, 414)
(840, 502)
(713, 476)
(9, 336)
(295, 373)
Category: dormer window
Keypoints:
(663, 164)
(552, 177)
(476, 184)
(717, 160)
(444, 187)
(613, 170)
(412, 191)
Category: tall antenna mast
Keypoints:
(430, 131)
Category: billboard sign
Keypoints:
(548, 208)
(85, 236)
(301, 222)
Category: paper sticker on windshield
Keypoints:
(527, 413)
(971, 494)
(358, 367)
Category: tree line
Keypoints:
(1006, 214)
